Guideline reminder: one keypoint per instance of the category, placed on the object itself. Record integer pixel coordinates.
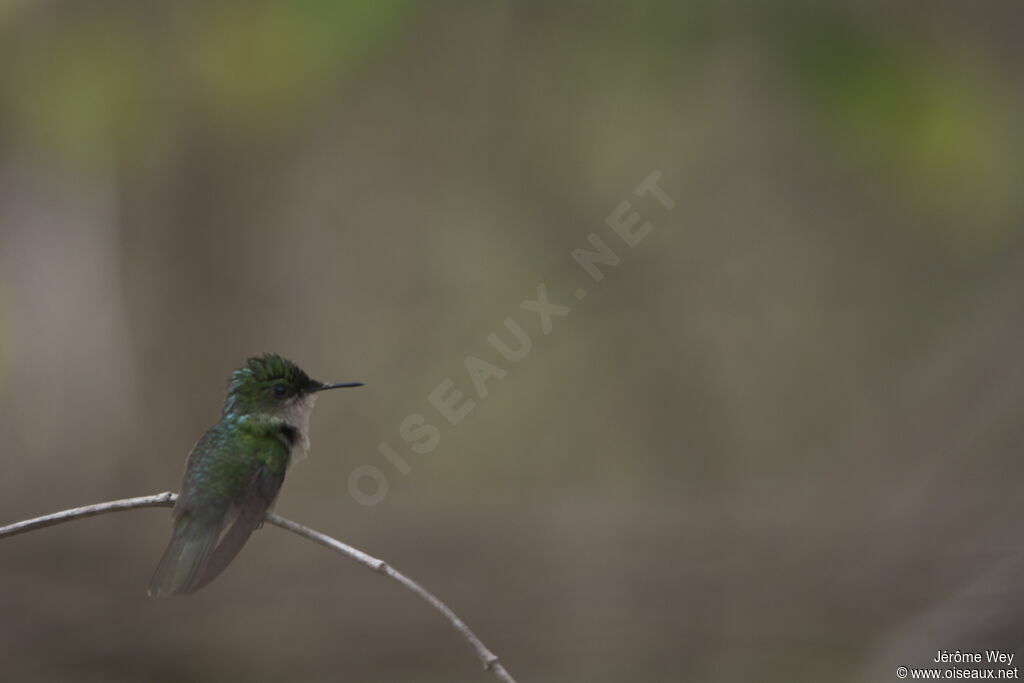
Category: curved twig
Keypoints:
(166, 499)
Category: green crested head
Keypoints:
(270, 384)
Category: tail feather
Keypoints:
(245, 521)
(185, 559)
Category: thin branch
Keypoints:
(487, 658)
(166, 499)
(160, 500)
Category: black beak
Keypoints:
(339, 385)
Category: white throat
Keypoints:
(296, 413)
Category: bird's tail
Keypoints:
(244, 520)
(185, 559)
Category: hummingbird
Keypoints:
(236, 469)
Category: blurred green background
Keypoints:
(780, 441)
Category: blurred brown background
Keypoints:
(780, 441)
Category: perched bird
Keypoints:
(235, 470)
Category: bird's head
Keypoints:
(271, 384)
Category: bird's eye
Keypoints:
(280, 390)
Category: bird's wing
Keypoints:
(246, 516)
(205, 541)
